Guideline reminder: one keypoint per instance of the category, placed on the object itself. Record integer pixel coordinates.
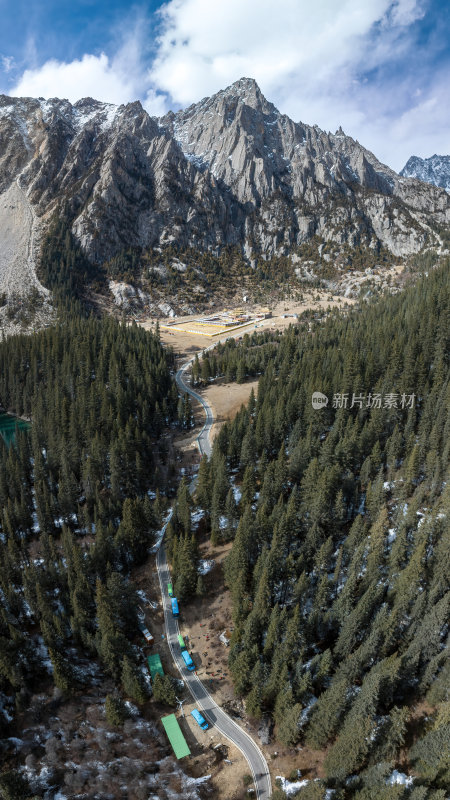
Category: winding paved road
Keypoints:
(204, 445)
(212, 712)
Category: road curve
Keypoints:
(212, 712)
(204, 445)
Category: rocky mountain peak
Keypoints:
(87, 103)
(435, 170)
(247, 91)
(227, 105)
(228, 170)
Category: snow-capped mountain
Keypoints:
(229, 170)
(435, 170)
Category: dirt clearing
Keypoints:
(226, 400)
(284, 313)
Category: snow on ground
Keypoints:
(132, 709)
(141, 594)
(16, 742)
(237, 494)
(146, 676)
(197, 781)
(400, 778)
(205, 566)
(160, 534)
(4, 702)
(196, 516)
(42, 652)
(290, 787)
(306, 712)
(145, 600)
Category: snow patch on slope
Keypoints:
(435, 170)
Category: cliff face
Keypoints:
(228, 170)
(435, 170)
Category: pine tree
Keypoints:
(248, 487)
(287, 715)
(163, 690)
(63, 674)
(205, 370)
(115, 709)
(203, 490)
(132, 681)
(327, 713)
(112, 644)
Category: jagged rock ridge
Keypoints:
(435, 170)
(230, 170)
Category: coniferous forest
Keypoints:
(75, 496)
(338, 518)
(339, 569)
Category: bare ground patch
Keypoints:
(226, 400)
(284, 313)
(19, 236)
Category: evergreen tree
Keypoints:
(132, 681)
(63, 674)
(163, 690)
(115, 709)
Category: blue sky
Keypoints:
(379, 68)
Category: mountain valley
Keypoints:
(228, 190)
(286, 463)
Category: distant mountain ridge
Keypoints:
(230, 170)
(435, 170)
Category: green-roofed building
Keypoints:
(175, 736)
(155, 666)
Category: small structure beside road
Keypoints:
(146, 634)
(155, 666)
(175, 736)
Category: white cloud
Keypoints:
(422, 129)
(7, 63)
(309, 59)
(205, 45)
(404, 12)
(120, 79)
(88, 76)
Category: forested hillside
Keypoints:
(339, 570)
(76, 513)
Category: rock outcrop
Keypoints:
(435, 170)
(230, 170)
